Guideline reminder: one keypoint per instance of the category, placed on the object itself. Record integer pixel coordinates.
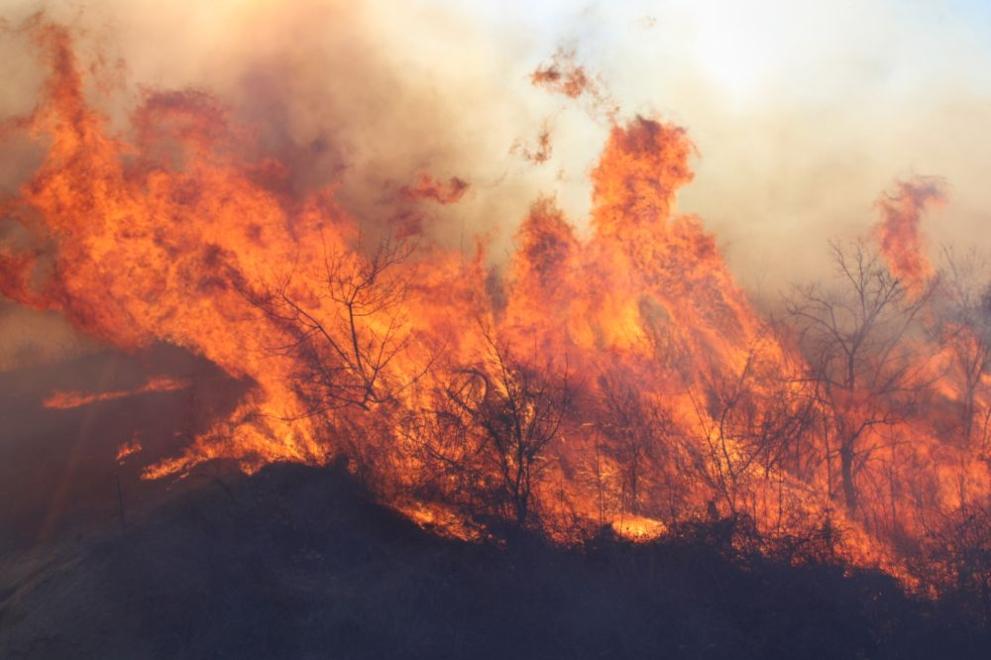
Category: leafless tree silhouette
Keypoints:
(865, 371)
(962, 322)
(346, 331)
(518, 409)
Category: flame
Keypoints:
(621, 379)
(66, 400)
(563, 76)
(129, 448)
(898, 229)
(638, 529)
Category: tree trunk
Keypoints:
(846, 474)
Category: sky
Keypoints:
(803, 113)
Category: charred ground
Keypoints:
(297, 561)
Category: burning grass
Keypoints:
(622, 378)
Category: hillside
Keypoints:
(298, 562)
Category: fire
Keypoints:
(638, 529)
(563, 76)
(620, 379)
(129, 448)
(898, 230)
(60, 400)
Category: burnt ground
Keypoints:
(299, 562)
(58, 473)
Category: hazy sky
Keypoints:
(803, 111)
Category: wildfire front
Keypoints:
(308, 351)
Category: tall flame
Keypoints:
(898, 229)
(619, 380)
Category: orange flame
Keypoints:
(621, 380)
(898, 230)
(129, 448)
(67, 400)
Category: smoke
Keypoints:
(29, 338)
(208, 221)
(367, 96)
(804, 113)
(376, 100)
(801, 113)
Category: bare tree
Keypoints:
(637, 435)
(442, 440)
(755, 425)
(962, 322)
(345, 331)
(855, 337)
(956, 559)
(517, 409)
